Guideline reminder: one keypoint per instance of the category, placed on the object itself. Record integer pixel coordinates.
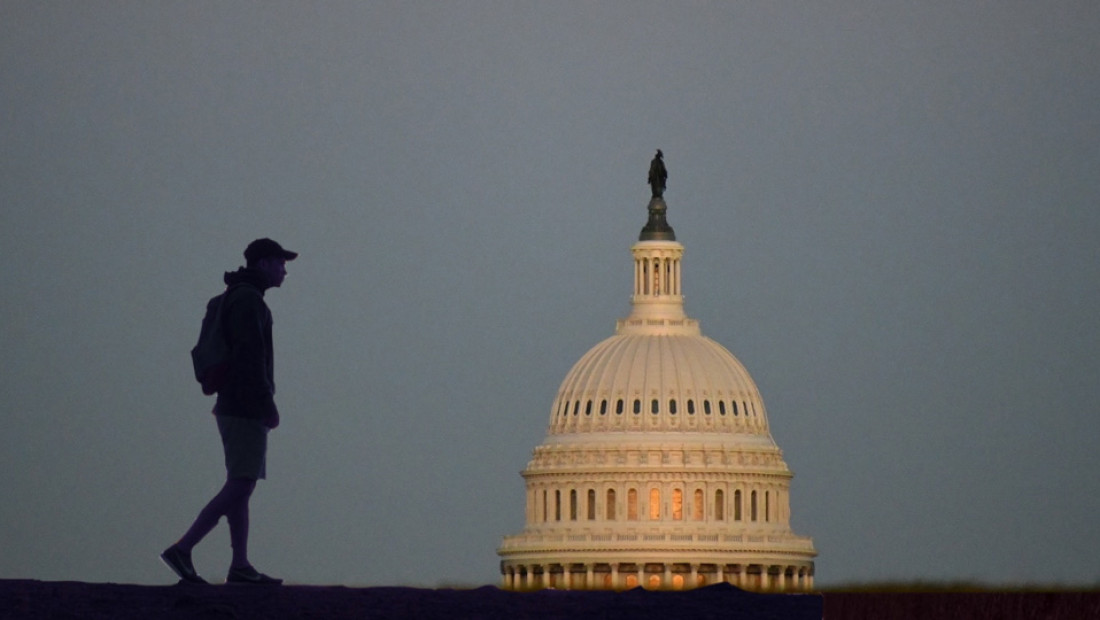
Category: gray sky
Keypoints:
(890, 211)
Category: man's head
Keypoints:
(269, 258)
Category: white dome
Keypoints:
(658, 381)
(658, 468)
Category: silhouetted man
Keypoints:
(245, 411)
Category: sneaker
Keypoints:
(180, 562)
(249, 575)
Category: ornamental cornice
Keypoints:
(581, 478)
(654, 459)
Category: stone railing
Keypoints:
(647, 540)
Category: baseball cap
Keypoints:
(266, 248)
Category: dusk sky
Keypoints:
(891, 215)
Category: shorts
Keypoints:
(245, 444)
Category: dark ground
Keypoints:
(27, 599)
(21, 599)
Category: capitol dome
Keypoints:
(658, 382)
(658, 468)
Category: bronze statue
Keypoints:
(657, 174)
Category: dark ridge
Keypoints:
(28, 599)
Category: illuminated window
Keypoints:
(654, 504)
(631, 581)
(737, 505)
(632, 504)
(752, 506)
(619, 407)
(697, 505)
(654, 582)
(653, 406)
(591, 504)
(678, 582)
(672, 406)
(691, 407)
(573, 505)
(677, 505)
(719, 505)
(611, 504)
(637, 406)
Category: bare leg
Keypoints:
(232, 501)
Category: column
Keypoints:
(666, 578)
(589, 577)
(614, 576)
(720, 574)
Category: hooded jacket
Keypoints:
(249, 390)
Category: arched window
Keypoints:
(557, 505)
(719, 505)
(706, 407)
(591, 504)
(672, 406)
(752, 506)
(588, 408)
(722, 407)
(697, 505)
(632, 505)
(637, 406)
(619, 407)
(611, 504)
(603, 407)
(576, 408)
(767, 505)
(735, 407)
(691, 407)
(677, 505)
(573, 505)
(544, 519)
(654, 504)
(654, 406)
(737, 505)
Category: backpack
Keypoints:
(210, 356)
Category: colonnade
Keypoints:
(656, 276)
(657, 576)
